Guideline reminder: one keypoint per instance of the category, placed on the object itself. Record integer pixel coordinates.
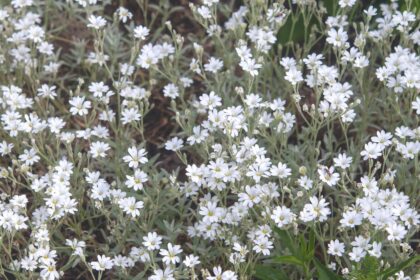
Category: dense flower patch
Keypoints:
(215, 140)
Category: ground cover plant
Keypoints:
(218, 140)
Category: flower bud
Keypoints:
(302, 170)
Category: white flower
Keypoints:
(98, 149)
(196, 174)
(160, 274)
(220, 275)
(29, 263)
(372, 151)
(170, 255)
(211, 212)
(313, 60)
(376, 250)
(213, 65)
(49, 271)
(135, 157)
(328, 176)
(29, 157)
(305, 182)
(357, 254)
(401, 276)
(281, 171)
(317, 209)
(343, 161)
(18, 4)
(337, 38)
(199, 135)
(136, 181)
(294, 76)
(122, 261)
(96, 22)
(152, 241)
(191, 261)
(382, 138)
(55, 125)
(361, 242)
(346, 3)
(124, 14)
(79, 106)
(336, 248)
(288, 63)
(102, 264)
(351, 219)
(77, 246)
(210, 101)
(262, 245)
(204, 12)
(5, 148)
(262, 37)
(130, 115)
(396, 232)
(186, 82)
(250, 197)
(250, 65)
(371, 11)
(282, 216)
(131, 206)
(348, 116)
(171, 90)
(141, 32)
(174, 144)
(46, 91)
(416, 105)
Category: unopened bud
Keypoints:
(239, 90)
(4, 173)
(296, 97)
(198, 49)
(302, 170)
(24, 168)
(169, 25)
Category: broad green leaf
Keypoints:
(288, 32)
(288, 259)
(324, 273)
(369, 269)
(286, 240)
(302, 247)
(311, 244)
(265, 272)
(4, 3)
(330, 6)
(401, 266)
